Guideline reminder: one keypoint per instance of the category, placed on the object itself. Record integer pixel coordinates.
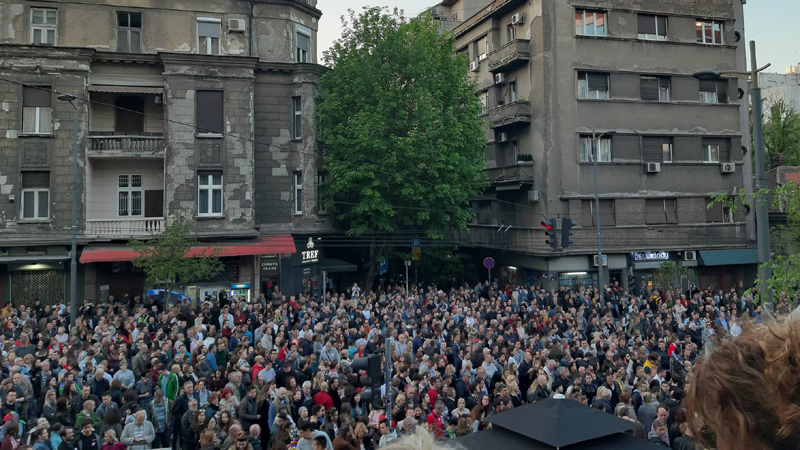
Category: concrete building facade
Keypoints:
(200, 109)
(553, 76)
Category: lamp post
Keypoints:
(762, 209)
(73, 264)
(595, 157)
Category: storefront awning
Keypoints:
(126, 89)
(283, 243)
(337, 266)
(33, 259)
(729, 257)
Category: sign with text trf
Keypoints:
(310, 255)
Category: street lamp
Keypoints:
(73, 265)
(595, 157)
(762, 210)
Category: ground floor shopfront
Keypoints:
(30, 273)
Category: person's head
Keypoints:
(68, 433)
(662, 414)
(384, 427)
(241, 441)
(88, 406)
(86, 426)
(305, 430)
(255, 431)
(139, 417)
(41, 434)
(192, 405)
(251, 391)
(320, 443)
(188, 387)
(660, 427)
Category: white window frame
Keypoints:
(727, 215)
(483, 99)
(709, 97)
(604, 149)
(666, 150)
(308, 57)
(512, 91)
(511, 32)
(706, 25)
(665, 94)
(708, 153)
(584, 93)
(36, 194)
(297, 183)
(297, 117)
(209, 39)
(211, 188)
(655, 37)
(594, 14)
(129, 188)
(44, 27)
(485, 48)
(38, 121)
(321, 207)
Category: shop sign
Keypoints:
(241, 286)
(309, 255)
(650, 256)
(269, 265)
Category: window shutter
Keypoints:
(302, 41)
(651, 150)
(708, 85)
(724, 150)
(36, 180)
(722, 91)
(210, 111)
(654, 211)
(649, 88)
(647, 24)
(714, 213)
(607, 213)
(208, 29)
(662, 25)
(587, 219)
(671, 210)
(598, 81)
(32, 96)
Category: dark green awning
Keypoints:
(331, 265)
(729, 257)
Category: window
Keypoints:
(511, 32)
(44, 26)
(593, 85)
(485, 45)
(715, 150)
(36, 110)
(657, 149)
(714, 91)
(303, 46)
(716, 213)
(661, 211)
(603, 147)
(709, 32)
(129, 195)
(590, 23)
(208, 33)
(209, 193)
(513, 151)
(483, 99)
(652, 27)
(297, 118)
(129, 32)
(298, 193)
(35, 195)
(512, 91)
(320, 180)
(589, 215)
(210, 112)
(655, 88)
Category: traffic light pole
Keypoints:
(597, 222)
(387, 380)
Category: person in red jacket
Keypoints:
(322, 397)
(434, 419)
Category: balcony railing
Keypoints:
(509, 55)
(510, 114)
(124, 227)
(126, 144)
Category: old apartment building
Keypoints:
(553, 76)
(201, 109)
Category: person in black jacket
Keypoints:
(248, 410)
(180, 407)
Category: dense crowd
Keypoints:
(275, 373)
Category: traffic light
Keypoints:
(551, 230)
(632, 285)
(315, 287)
(372, 365)
(566, 231)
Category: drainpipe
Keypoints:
(250, 27)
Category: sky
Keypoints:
(771, 23)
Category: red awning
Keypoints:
(265, 245)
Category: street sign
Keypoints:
(416, 253)
(488, 263)
(383, 266)
(415, 243)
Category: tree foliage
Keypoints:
(172, 256)
(674, 278)
(782, 132)
(398, 121)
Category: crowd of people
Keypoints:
(275, 373)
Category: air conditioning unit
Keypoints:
(435, 12)
(533, 196)
(727, 167)
(502, 137)
(653, 167)
(690, 255)
(518, 19)
(473, 66)
(596, 259)
(236, 25)
(499, 78)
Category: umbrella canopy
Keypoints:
(508, 440)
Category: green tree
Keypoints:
(439, 264)
(172, 255)
(674, 278)
(402, 142)
(782, 132)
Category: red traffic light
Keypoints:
(549, 227)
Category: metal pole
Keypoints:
(597, 223)
(388, 378)
(762, 209)
(407, 263)
(324, 286)
(73, 265)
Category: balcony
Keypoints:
(509, 55)
(518, 112)
(510, 177)
(124, 227)
(126, 146)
